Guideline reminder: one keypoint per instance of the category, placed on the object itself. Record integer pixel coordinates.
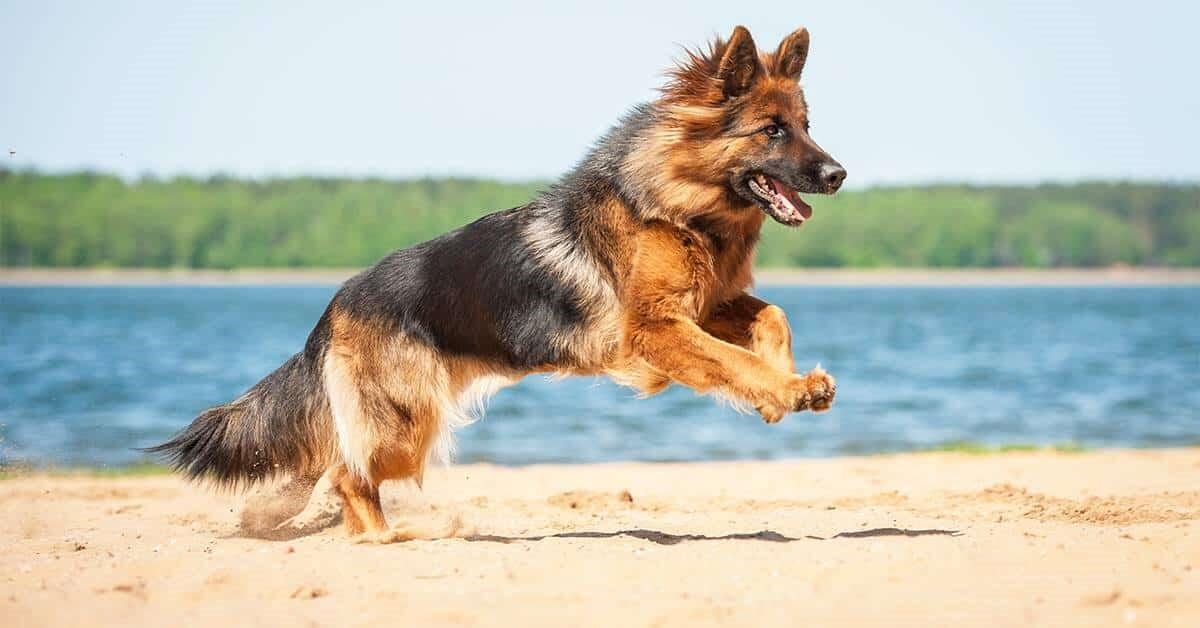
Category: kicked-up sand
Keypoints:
(1106, 538)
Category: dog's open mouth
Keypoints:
(779, 201)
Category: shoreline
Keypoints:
(882, 277)
(149, 468)
(1109, 537)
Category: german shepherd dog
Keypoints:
(634, 265)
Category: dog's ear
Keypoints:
(739, 64)
(792, 53)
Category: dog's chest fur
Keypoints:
(709, 265)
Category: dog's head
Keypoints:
(739, 124)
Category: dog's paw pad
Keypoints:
(821, 389)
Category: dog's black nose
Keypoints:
(832, 175)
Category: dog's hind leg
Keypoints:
(367, 420)
(388, 420)
(415, 429)
(361, 509)
(391, 397)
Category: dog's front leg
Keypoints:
(756, 325)
(665, 291)
(762, 328)
(692, 357)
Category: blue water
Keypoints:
(86, 374)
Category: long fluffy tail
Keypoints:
(283, 424)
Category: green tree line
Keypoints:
(89, 219)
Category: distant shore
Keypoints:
(764, 276)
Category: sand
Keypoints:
(1041, 538)
(1120, 276)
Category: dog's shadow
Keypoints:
(285, 518)
(654, 536)
(666, 538)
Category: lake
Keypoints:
(89, 373)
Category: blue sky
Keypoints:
(899, 91)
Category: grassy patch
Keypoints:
(976, 448)
(137, 469)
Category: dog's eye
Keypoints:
(773, 130)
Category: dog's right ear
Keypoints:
(739, 65)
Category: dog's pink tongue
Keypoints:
(793, 199)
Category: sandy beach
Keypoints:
(1013, 539)
(764, 276)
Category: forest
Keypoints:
(90, 219)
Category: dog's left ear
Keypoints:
(738, 67)
(792, 53)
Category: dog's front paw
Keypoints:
(818, 391)
(813, 390)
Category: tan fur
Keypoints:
(668, 304)
(677, 285)
(393, 399)
(755, 325)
